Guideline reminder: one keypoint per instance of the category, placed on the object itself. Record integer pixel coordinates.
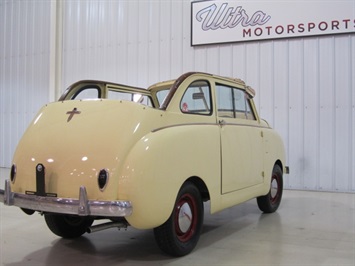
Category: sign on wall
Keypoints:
(240, 21)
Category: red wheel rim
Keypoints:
(185, 218)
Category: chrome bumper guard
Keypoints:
(81, 206)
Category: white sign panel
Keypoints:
(240, 21)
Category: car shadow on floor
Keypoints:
(132, 246)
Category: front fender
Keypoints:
(160, 163)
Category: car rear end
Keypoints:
(68, 161)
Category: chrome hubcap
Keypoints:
(274, 188)
(185, 217)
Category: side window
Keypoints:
(233, 102)
(161, 96)
(249, 111)
(197, 99)
(239, 103)
(224, 101)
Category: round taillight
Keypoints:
(102, 179)
(13, 173)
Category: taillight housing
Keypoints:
(102, 179)
(13, 173)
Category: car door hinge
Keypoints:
(263, 174)
(262, 134)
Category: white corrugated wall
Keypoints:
(305, 87)
(24, 69)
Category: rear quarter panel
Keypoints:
(161, 162)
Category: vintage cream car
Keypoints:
(146, 158)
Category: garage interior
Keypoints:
(305, 89)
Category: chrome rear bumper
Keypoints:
(81, 206)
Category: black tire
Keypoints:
(271, 201)
(67, 226)
(179, 235)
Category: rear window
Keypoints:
(129, 96)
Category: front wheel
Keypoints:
(67, 226)
(271, 201)
(179, 235)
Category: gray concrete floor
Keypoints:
(310, 228)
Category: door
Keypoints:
(241, 140)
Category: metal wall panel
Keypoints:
(24, 50)
(351, 146)
(343, 106)
(295, 145)
(305, 86)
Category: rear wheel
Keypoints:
(271, 201)
(179, 235)
(67, 226)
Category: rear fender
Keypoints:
(274, 154)
(160, 163)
